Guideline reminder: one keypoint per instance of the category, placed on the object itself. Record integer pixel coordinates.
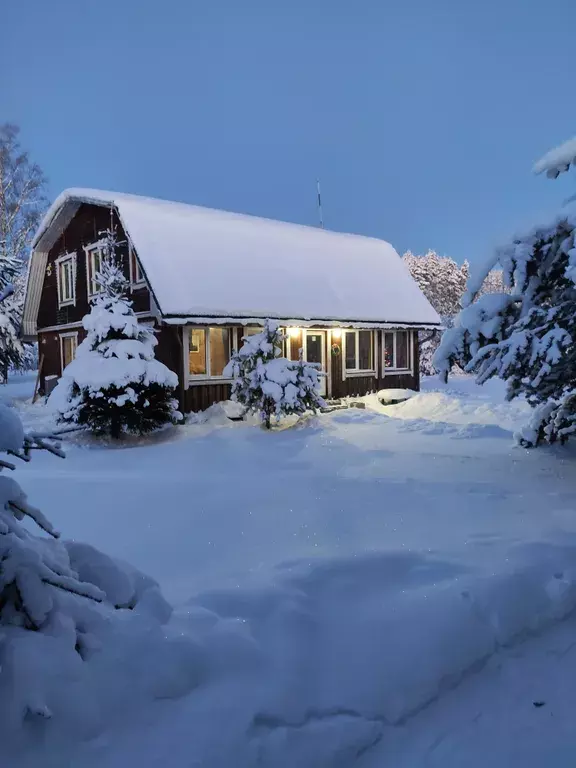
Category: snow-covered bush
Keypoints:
(114, 385)
(525, 337)
(270, 385)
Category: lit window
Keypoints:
(397, 350)
(68, 345)
(94, 256)
(219, 350)
(208, 351)
(136, 274)
(359, 351)
(66, 274)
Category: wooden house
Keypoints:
(205, 278)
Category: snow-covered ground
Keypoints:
(340, 577)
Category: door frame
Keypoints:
(324, 333)
(62, 336)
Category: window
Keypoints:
(66, 279)
(136, 274)
(94, 255)
(68, 345)
(359, 351)
(397, 350)
(208, 351)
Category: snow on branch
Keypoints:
(557, 160)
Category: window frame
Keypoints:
(67, 335)
(394, 369)
(59, 263)
(358, 371)
(91, 285)
(137, 276)
(199, 378)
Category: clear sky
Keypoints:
(421, 117)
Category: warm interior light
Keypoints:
(293, 333)
(337, 333)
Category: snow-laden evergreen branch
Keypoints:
(526, 336)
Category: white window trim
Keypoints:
(59, 261)
(389, 369)
(351, 372)
(192, 379)
(134, 283)
(70, 335)
(91, 285)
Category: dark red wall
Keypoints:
(85, 228)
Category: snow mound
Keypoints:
(451, 409)
(392, 396)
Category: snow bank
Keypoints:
(340, 579)
(383, 634)
(314, 670)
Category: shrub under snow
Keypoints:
(269, 385)
(114, 385)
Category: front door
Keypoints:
(315, 352)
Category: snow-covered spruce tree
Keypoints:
(270, 385)
(525, 337)
(114, 385)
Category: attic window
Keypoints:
(136, 274)
(66, 279)
(94, 255)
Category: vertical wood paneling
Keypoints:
(84, 229)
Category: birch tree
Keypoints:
(22, 204)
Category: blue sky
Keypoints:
(421, 118)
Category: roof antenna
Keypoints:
(319, 204)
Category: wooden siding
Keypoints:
(85, 228)
(356, 386)
(49, 353)
(201, 396)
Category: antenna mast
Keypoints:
(320, 204)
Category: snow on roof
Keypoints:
(557, 160)
(205, 262)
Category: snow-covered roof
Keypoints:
(204, 262)
(557, 160)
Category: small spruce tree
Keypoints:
(270, 385)
(114, 385)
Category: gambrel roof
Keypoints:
(206, 263)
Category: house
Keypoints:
(205, 278)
